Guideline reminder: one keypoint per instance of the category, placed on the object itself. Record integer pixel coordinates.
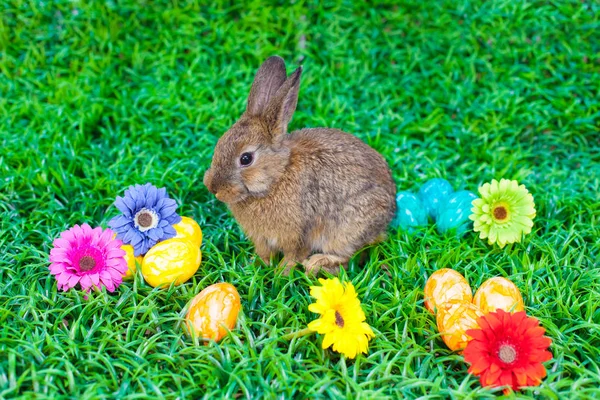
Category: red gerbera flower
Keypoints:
(508, 350)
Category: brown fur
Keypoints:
(317, 195)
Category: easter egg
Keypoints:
(444, 285)
(189, 229)
(131, 259)
(171, 261)
(453, 319)
(497, 293)
(410, 211)
(214, 311)
(433, 193)
(454, 212)
(131, 262)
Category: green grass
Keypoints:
(95, 96)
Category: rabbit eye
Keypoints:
(246, 159)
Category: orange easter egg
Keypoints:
(453, 319)
(214, 311)
(497, 293)
(444, 285)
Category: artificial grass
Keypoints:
(97, 96)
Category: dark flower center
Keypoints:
(86, 263)
(144, 219)
(500, 213)
(339, 321)
(507, 353)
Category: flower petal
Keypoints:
(85, 282)
(95, 278)
(169, 232)
(108, 283)
(476, 334)
(173, 219)
(63, 278)
(68, 235)
(168, 208)
(328, 340)
(130, 204)
(115, 253)
(480, 365)
(155, 234)
(59, 255)
(73, 280)
(123, 206)
(57, 268)
(120, 221)
(62, 243)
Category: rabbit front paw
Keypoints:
(326, 262)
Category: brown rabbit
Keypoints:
(317, 195)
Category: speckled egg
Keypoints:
(433, 193)
(453, 319)
(497, 293)
(454, 212)
(410, 212)
(444, 285)
(214, 311)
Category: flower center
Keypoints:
(86, 263)
(507, 353)
(145, 219)
(500, 213)
(339, 321)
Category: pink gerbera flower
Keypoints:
(90, 257)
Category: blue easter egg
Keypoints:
(454, 212)
(410, 212)
(433, 193)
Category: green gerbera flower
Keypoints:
(504, 212)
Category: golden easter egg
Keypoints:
(453, 319)
(171, 261)
(214, 311)
(131, 262)
(444, 285)
(497, 293)
(189, 229)
(131, 259)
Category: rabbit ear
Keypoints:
(269, 77)
(282, 106)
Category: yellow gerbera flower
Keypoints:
(342, 318)
(504, 212)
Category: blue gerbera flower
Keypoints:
(148, 217)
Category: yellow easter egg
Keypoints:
(497, 293)
(131, 262)
(171, 261)
(453, 319)
(189, 229)
(131, 259)
(214, 311)
(444, 285)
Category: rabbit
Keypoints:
(318, 195)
